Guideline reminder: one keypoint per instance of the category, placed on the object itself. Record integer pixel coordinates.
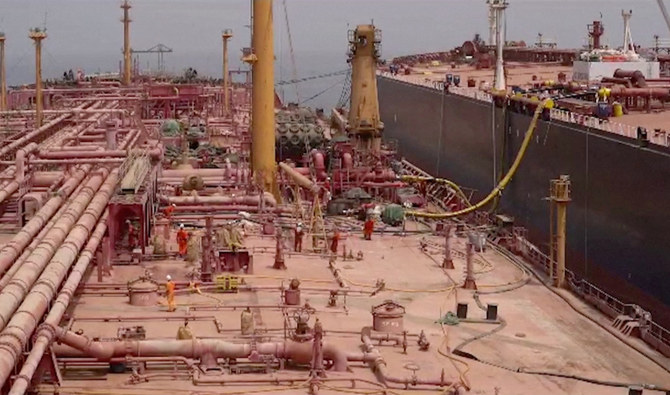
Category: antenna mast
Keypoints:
(628, 45)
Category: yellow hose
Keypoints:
(502, 184)
(452, 184)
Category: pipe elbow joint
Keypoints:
(337, 356)
(98, 350)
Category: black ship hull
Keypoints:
(618, 219)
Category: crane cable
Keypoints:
(294, 68)
(322, 92)
(313, 77)
(346, 92)
(502, 184)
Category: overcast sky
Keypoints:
(88, 33)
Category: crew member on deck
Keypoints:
(182, 240)
(298, 235)
(132, 235)
(169, 293)
(368, 228)
(335, 242)
(168, 213)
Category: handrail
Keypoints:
(661, 138)
(581, 286)
(585, 287)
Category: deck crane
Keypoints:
(664, 11)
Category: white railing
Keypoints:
(472, 93)
(412, 79)
(661, 138)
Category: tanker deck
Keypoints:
(153, 243)
(616, 228)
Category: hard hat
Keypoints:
(174, 205)
(181, 226)
(168, 277)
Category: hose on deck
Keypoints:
(502, 184)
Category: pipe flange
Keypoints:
(65, 305)
(128, 347)
(21, 334)
(48, 328)
(23, 286)
(51, 244)
(70, 244)
(48, 284)
(92, 211)
(22, 377)
(68, 293)
(11, 346)
(12, 245)
(86, 189)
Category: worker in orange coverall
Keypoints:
(169, 293)
(182, 240)
(335, 242)
(132, 235)
(368, 228)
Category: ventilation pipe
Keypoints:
(3, 75)
(37, 36)
(126, 43)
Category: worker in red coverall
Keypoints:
(182, 240)
(168, 212)
(298, 235)
(132, 235)
(335, 242)
(368, 228)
